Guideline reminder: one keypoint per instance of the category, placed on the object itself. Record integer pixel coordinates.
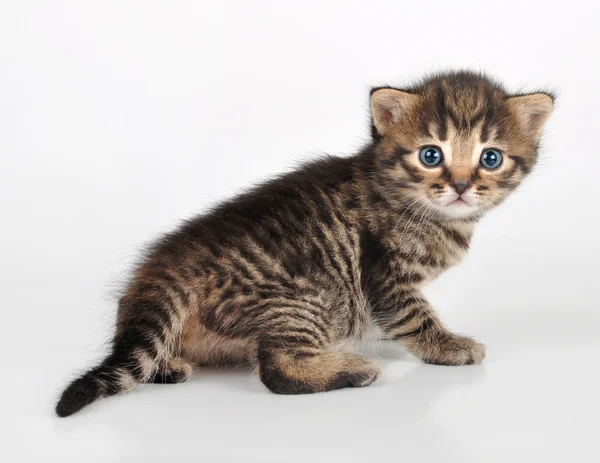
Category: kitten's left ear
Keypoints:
(533, 110)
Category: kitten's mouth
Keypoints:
(459, 202)
(457, 207)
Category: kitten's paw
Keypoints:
(361, 376)
(287, 373)
(171, 377)
(452, 349)
(177, 371)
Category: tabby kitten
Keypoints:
(284, 275)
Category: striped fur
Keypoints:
(284, 275)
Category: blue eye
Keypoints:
(491, 159)
(431, 156)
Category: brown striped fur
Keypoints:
(284, 275)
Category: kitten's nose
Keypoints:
(461, 187)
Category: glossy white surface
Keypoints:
(534, 399)
(117, 119)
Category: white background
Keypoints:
(120, 118)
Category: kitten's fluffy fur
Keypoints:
(284, 274)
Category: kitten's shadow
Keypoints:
(244, 378)
(399, 411)
(236, 377)
(397, 408)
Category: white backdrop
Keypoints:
(120, 118)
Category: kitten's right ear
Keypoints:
(388, 106)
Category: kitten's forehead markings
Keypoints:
(467, 147)
(459, 163)
(490, 133)
(479, 144)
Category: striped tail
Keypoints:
(115, 375)
(143, 349)
(105, 380)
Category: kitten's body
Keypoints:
(286, 274)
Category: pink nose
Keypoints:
(461, 187)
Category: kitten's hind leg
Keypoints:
(296, 370)
(177, 370)
(298, 353)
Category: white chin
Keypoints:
(458, 211)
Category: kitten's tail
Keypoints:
(146, 342)
(109, 378)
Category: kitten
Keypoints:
(282, 275)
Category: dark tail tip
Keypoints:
(81, 392)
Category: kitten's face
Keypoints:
(456, 147)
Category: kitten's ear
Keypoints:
(533, 110)
(388, 106)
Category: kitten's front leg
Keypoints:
(417, 327)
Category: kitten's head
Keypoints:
(457, 144)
